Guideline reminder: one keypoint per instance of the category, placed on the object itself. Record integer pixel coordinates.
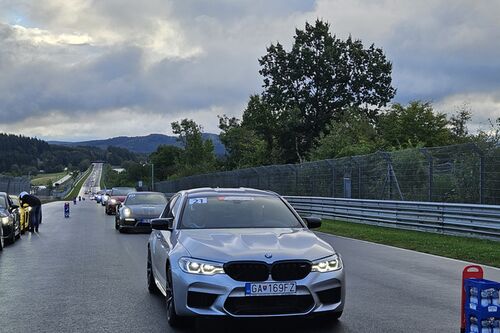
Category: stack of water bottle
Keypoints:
(482, 308)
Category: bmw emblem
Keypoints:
(268, 255)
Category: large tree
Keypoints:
(243, 145)
(414, 125)
(198, 155)
(316, 82)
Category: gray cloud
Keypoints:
(74, 60)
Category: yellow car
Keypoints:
(24, 214)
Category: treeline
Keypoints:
(22, 155)
(323, 98)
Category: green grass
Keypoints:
(480, 251)
(76, 189)
(47, 178)
(102, 183)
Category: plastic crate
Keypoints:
(482, 306)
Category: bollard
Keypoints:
(469, 272)
(66, 209)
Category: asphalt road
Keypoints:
(80, 275)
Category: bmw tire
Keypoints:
(152, 288)
(173, 319)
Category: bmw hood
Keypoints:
(223, 245)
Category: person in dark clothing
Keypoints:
(36, 209)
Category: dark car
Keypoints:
(9, 217)
(116, 197)
(138, 209)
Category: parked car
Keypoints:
(241, 253)
(116, 197)
(98, 196)
(9, 216)
(105, 197)
(138, 209)
(22, 212)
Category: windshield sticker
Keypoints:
(197, 201)
(234, 198)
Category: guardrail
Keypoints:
(481, 221)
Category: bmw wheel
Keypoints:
(173, 319)
(117, 226)
(153, 289)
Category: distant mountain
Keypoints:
(142, 144)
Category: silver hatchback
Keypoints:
(241, 253)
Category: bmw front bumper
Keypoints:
(220, 295)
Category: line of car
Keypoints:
(13, 219)
(233, 252)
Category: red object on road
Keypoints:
(469, 272)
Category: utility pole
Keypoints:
(152, 177)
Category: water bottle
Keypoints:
(486, 326)
(496, 325)
(473, 325)
(496, 297)
(486, 297)
(473, 295)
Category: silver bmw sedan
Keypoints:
(241, 253)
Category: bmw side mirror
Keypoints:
(313, 222)
(162, 223)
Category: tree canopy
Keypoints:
(314, 83)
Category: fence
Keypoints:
(459, 173)
(447, 218)
(14, 185)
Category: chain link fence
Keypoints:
(14, 185)
(458, 173)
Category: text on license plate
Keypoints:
(270, 288)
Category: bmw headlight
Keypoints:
(127, 212)
(330, 264)
(196, 266)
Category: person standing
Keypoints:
(36, 209)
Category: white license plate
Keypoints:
(270, 288)
(146, 221)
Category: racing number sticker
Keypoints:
(193, 201)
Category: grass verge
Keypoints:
(47, 178)
(480, 251)
(76, 189)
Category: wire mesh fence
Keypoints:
(458, 173)
(14, 185)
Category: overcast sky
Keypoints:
(86, 69)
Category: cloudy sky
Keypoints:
(85, 69)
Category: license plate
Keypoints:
(146, 221)
(270, 288)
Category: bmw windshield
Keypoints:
(230, 211)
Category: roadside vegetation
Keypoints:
(47, 179)
(480, 251)
(76, 189)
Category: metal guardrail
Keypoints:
(481, 221)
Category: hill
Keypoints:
(142, 144)
(20, 155)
